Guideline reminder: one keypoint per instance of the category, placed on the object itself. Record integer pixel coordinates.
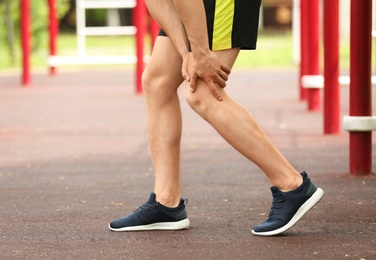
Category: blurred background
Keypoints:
(276, 45)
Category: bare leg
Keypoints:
(239, 128)
(161, 79)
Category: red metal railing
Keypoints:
(310, 50)
(140, 22)
(331, 67)
(140, 15)
(360, 84)
(53, 31)
(25, 41)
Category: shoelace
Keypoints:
(277, 205)
(146, 207)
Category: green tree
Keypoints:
(8, 28)
(10, 23)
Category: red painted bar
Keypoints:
(313, 49)
(304, 38)
(140, 23)
(331, 67)
(25, 41)
(310, 51)
(53, 31)
(360, 84)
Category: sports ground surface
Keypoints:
(74, 156)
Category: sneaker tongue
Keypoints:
(152, 199)
(275, 191)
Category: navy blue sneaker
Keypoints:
(153, 216)
(289, 207)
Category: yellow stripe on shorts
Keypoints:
(223, 21)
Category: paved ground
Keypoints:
(74, 156)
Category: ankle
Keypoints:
(293, 184)
(169, 201)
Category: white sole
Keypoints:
(182, 224)
(312, 201)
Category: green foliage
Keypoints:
(62, 7)
(96, 17)
(39, 23)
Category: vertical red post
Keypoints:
(140, 23)
(304, 38)
(331, 67)
(53, 31)
(310, 49)
(360, 84)
(25, 41)
(313, 52)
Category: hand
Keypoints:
(207, 67)
(184, 67)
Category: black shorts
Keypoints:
(231, 23)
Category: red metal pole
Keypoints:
(360, 84)
(25, 41)
(331, 67)
(140, 23)
(304, 38)
(53, 31)
(310, 51)
(313, 49)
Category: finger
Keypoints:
(192, 83)
(186, 77)
(214, 90)
(223, 75)
(184, 72)
(226, 69)
(220, 81)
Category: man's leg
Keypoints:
(293, 193)
(161, 79)
(164, 210)
(239, 128)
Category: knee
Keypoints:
(159, 83)
(192, 99)
(147, 77)
(152, 84)
(197, 102)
